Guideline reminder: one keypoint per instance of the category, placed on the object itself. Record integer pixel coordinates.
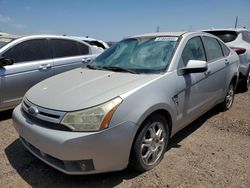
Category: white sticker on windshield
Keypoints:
(166, 39)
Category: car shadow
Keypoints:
(5, 115)
(192, 127)
(38, 174)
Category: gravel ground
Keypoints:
(213, 151)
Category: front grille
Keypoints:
(45, 124)
(45, 117)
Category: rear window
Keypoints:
(245, 36)
(96, 43)
(213, 48)
(225, 36)
(225, 49)
(68, 48)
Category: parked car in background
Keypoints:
(93, 42)
(122, 108)
(25, 61)
(239, 40)
(3, 34)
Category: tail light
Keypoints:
(239, 51)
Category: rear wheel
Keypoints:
(150, 144)
(228, 101)
(244, 85)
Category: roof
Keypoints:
(38, 36)
(10, 36)
(177, 34)
(225, 29)
(83, 38)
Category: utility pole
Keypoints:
(236, 22)
(158, 29)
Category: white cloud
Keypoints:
(4, 19)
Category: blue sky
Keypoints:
(116, 19)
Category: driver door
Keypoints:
(32, 64)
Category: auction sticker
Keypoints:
(166, 39)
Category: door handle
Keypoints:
(44, 66)
(226, 62)
(86, 60)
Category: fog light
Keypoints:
(82, 165)
(86, 165)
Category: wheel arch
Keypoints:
(162, 111)
(234, 80)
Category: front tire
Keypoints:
(150, 144)
(228, 101)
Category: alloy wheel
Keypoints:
(230, 96)
(153, 143)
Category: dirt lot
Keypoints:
(214, 151)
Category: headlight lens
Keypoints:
(92, 119)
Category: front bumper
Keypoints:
(77, 152)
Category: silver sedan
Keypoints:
(27, 60)
(123, 107)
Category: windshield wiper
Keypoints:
(93, 67)
(119, 69)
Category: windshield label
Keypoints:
(166, 39)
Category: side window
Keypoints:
(193, 50)
(84, 49)
(248, 33)
(213, 48)
(31, 50)
(225, 49)
(245, 36)
(67, 48)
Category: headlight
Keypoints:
(92, 119)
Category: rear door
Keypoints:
(32, 64)
(69, 54)
(217, 64)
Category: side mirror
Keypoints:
(193, 66)
(5, 61)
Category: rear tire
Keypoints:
(150, 144)
(244, 84)
(229, 99)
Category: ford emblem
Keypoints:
(33, 110)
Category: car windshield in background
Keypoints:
(225, 36)
(138, 55)
(4, 41)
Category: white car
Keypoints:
(27, 60)
(3, 34)
(239, 40)
(101, 45)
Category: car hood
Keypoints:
(83, 88)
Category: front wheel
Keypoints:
(228, 101)
(150, 144)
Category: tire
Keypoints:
(244, 84)
(229, 99)
(150, 144)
